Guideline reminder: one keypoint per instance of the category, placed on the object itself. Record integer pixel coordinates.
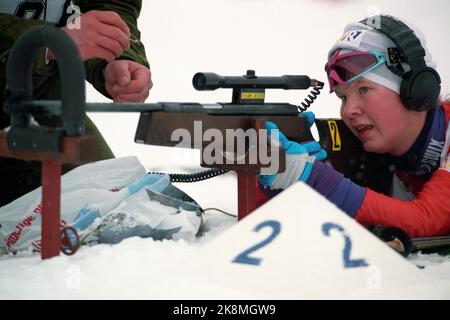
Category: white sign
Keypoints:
(301, 246)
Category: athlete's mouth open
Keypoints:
(362, 128)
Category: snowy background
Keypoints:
(273, 37)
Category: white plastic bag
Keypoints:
(88, 190)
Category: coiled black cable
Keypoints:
(194, 177)
(311, 97)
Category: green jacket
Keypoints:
(45, 77)
(46, 82)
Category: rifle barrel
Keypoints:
(430, 242)
(54, 107)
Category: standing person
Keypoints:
(107, 37)
(389, 92)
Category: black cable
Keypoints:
(194, 177)
(224, 212)
(311, 97)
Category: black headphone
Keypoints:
(421, 85)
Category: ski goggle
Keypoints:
(350, 66)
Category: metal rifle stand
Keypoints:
(51, 205)
(51, 146)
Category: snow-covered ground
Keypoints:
(139, 268)
(227, 37)
(131, 269)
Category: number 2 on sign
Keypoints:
(244, 257)
(348, 263)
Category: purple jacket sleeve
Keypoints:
(330, 183)
(348, 196)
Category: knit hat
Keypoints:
(360, 37)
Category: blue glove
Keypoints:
(314, 149)
(299, 158)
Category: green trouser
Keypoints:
(19, 177)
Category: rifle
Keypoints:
(345, 152)
(158, 122)
(401, 242)
(430, 243)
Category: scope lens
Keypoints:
(199, 81)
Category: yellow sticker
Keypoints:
(335, 137)
(252, 95)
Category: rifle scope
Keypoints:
(211, 81)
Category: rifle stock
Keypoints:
(228, 121)
(157, 128)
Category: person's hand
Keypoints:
(102, 34)
(299, 158)
(127, 81)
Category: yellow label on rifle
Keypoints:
(252, 95)
(335, 137)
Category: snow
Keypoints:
(131, 269)
(227, 37)
(139, 268)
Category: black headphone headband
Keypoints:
(404, 38)
(420, 86)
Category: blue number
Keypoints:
(244, 257)
(348, 263)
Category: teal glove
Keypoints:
(314, 149)
(299, 158)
